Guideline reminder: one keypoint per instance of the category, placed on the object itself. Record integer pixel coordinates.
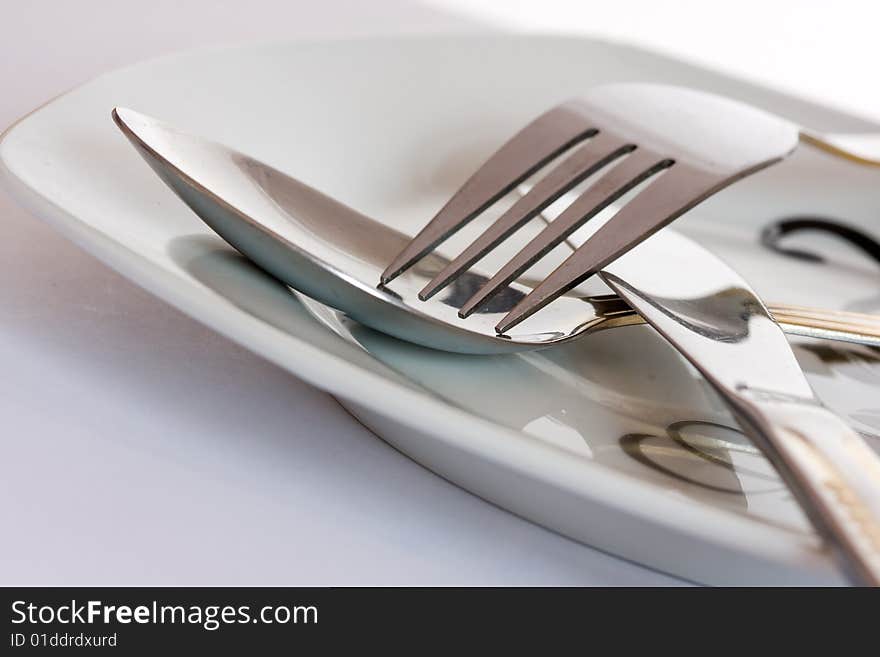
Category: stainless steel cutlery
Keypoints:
(685, 152)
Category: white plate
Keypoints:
(576, 438)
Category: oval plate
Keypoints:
(612, 440)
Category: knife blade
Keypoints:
(714, 318)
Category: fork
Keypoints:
(679, 146)
(672, 148)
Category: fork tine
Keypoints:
(598, 153)
(636, 168)
(681, 188)
(542, 140)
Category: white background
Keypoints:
(139, 447)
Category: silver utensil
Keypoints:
(721, 326)
(335, 254)
(330, 252)
(676, 146)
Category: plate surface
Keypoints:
(612, 440)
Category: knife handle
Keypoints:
(828, 466)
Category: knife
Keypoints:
(718, 323)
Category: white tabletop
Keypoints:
(139, 447)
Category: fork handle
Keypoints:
(861, 148)
(839, 325)
(828, 466)
(829, 324)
